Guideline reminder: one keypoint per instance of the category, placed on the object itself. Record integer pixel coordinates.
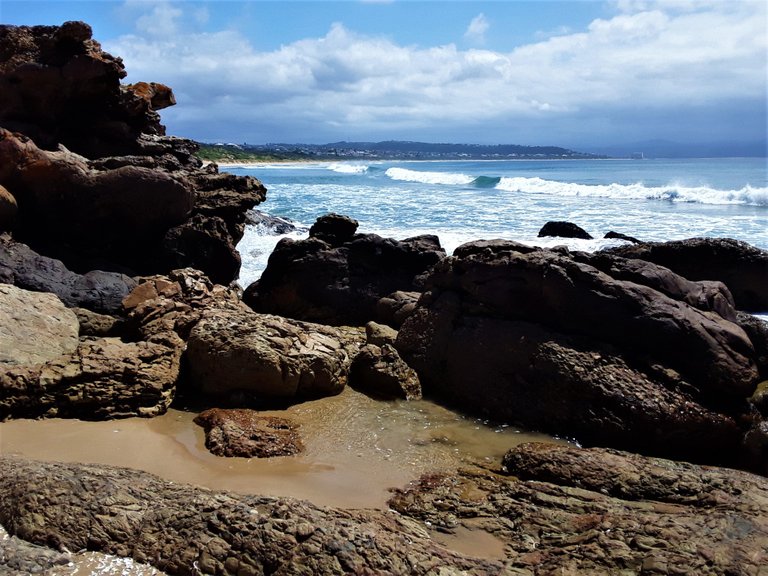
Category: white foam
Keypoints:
(424, 177)
(673, 192)
(348, 168)
(255, 248)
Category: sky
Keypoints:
(575, 73)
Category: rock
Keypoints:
(260, 356)
(340, 284)
(34, 327)
(21, 558)
(83, 156)
(178, 528)
(95, 324)
(554, 344)
(243, 433)
(757, 331)
(563, 230)
(759, 398)
(103, 378)
(97, 290)
(379, 371)
(755, 448)
(567, 510)
(392, 310)
(268, 224)
(8, 210)
(741, 267)
(620, 236)
(379, 334)
(334, 229)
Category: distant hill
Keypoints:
(388, 150)
(669, 149)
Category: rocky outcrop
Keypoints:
(539, 338)
(340, 282)
(740, 266)
(243, 433)
(20, 558)
(394, 308)
(34, 327)
(335, 229)
(268, 224)
(380, 372)
(573, 511)
(239, 353)
(182, 529)
(97, 290)
(103, 378)
(563, 230)
(84, 155)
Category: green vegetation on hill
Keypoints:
(236, 153)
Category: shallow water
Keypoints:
(356, 448)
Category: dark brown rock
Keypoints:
(340, 285)
(380, 372)
(554, 344)
(620, 236)
(8, 210)
(243, 433)
(393, 309)
(738, 265)
(757, 331)
(335, 229)
(574, 511)
(563, 230)
(180, 529)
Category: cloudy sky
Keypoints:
(577, 73)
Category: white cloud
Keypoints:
(648, 57)
(477, 29)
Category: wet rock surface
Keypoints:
(380, 372)
(564, 230)
(567, 510)
(180, 529)
(243, 433)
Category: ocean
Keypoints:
(459, 201)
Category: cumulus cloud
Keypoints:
(477, 29)
(646, 60)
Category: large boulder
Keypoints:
(340, 283)
(239, 353)
(539, 338)
(564, 230)
(95, 290)
(740, 266)
(34, 327)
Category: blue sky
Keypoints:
(578, 73)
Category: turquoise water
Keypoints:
(466, 200)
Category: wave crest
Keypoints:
(638, 191)
(406, 175)
(344, 168)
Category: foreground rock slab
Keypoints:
(186, 530)
(598, 511)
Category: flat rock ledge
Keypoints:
(187, 530)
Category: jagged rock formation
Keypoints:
(97, 183)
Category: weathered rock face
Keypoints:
(741, 267)
(544, 340)
(87, 207)
(34, 327)
(393, 309)
(8, 210)
(179, 528)
(259, 356)
(340, 283)
(103, 378)
(576, 511)
(243, 433)
(335, 229)
(379, 371)
(96, 290)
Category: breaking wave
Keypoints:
(345, 168)
(406, 175)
